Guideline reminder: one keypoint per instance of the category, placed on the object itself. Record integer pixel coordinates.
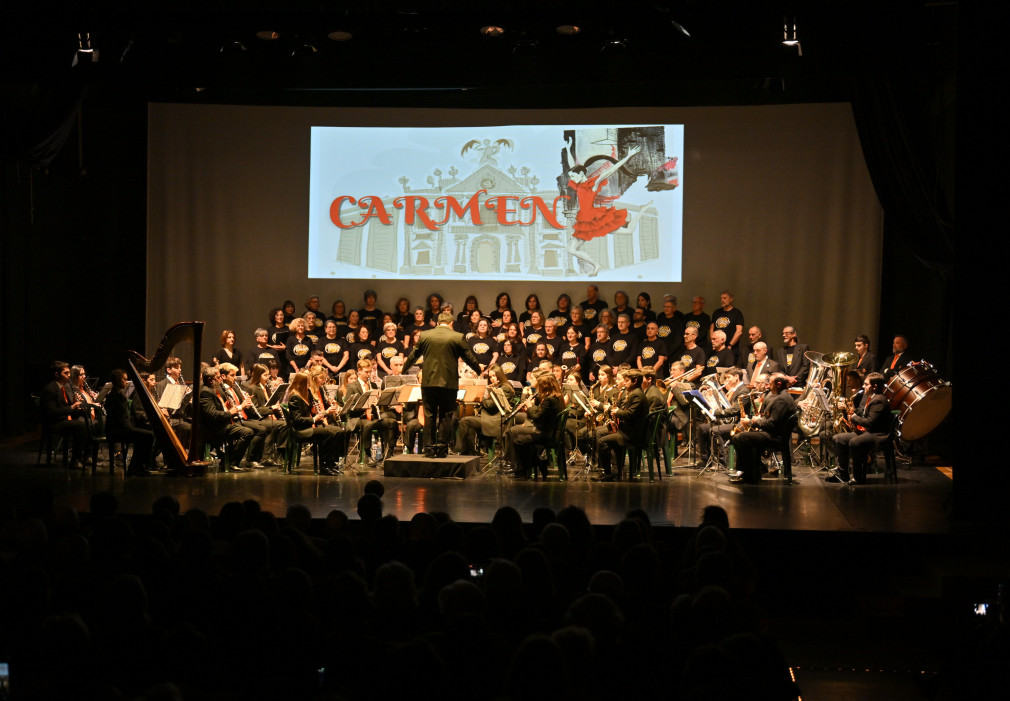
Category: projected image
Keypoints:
(506, 202)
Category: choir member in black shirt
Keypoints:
(592, 305)
(670, 322)
(299, 346)
(652, 351)
(699, 321)
(370, 315)
(335, 349)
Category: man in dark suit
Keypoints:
(792, 359)
(872, 420)
(217, 420)
(62, 414)
(442, 348)
(632, 415)
(762, 365)
(898, 358)
(865, 360)
(767, 431)
(119, 426)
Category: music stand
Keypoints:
(696, 400)
(501, 404)
(579, 398)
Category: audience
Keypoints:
(183, 605)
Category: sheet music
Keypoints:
(172, 397)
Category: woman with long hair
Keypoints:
(503, 303)
(532, 305)
(539, 429)
(311, 420)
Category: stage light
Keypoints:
(85, 51)
(268, 35)
(568, 29)
(340, 35)
(304, 50)
(492, 30)
(233, 48)
(790, 37)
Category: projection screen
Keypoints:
(777, 206)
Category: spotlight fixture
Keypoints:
(268, 35)
(304, 50)
(339, 35)
(790, 37)
(85, 51)
(233, 48)
(492, 30)
(568, 29)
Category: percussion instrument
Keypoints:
(922, 399)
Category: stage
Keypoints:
(914, 505)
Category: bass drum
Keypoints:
(922, 399)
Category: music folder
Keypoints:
(278, 394)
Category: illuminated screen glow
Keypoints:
(513, 202)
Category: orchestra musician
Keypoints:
(119, 427)
(792, 359)
(767, 431)
(488, 421)
(217, 419)
(708, 434)
(361, 420)
(870, 422)
(63, 414)
(866, 361)
(524, 440)
(898, 358)
(234, 395)
(631, 429)
(310, 423)
(762, 364)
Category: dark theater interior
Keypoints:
(160, 166)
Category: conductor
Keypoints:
(441, 348)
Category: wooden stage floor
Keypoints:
(914, 505)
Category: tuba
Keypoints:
(811, 414)
(828, 369)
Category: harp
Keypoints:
(178, 458)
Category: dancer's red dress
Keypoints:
(591, 221)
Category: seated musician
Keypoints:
(388, 423)
(247, 414)
(218, 419)
(94, 414)
(870, 422)
(764, 432)
(717, 434)
(898, 358)
(119, 427)
(866, 362)
(525, 440)
(259, 391)
(63, 414)
(309, 424)
(762, 364)
(182, 428)
(488, 422)
(361, 420)
(792, 358)
(631, 415)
